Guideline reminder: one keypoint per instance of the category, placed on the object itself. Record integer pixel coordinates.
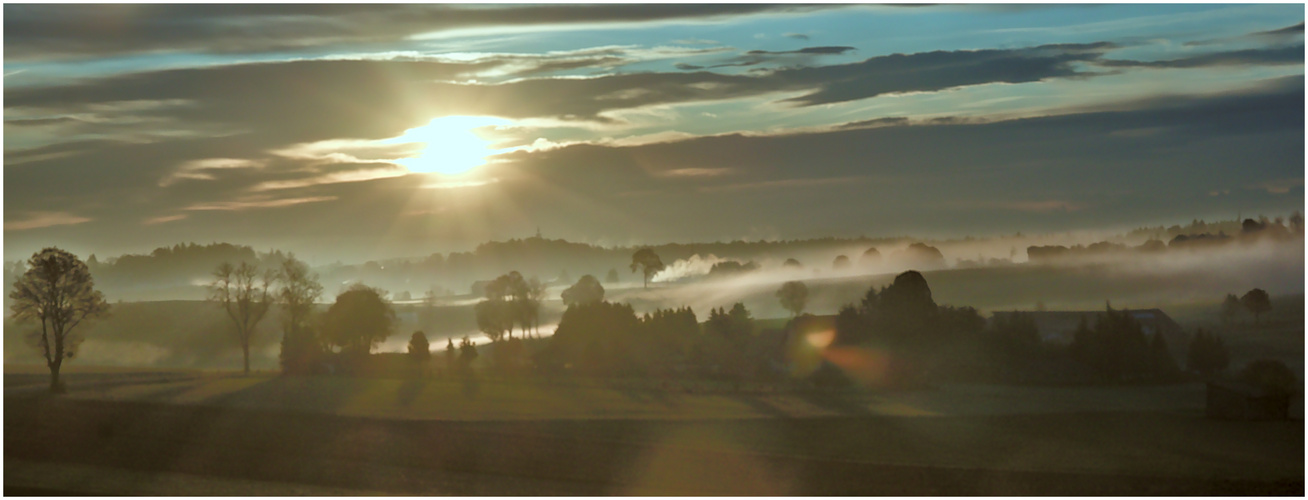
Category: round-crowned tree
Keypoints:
(360, 319)
(57, 291)
(793, 296)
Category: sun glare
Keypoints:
(449, 145)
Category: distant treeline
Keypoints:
(1199, 226)
(175, 272)
(1247, 232)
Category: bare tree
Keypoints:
(535, 295)
(56, 289)
(243, 292)
(300, 290)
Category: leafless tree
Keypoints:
(244, 293)
(57, 290)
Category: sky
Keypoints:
(355, 132)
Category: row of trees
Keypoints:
(1255, 301)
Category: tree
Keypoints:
(494, 318)
(535, 295)
(300, 290)
(1207, 354)
(870, 257)
(467, 352)
(451, 354)
(648, 262)
(1231, 308)
(419, 350)
(841, 262)
(1271, 374)
(612, 277)
(742, 323)
(1257, 302)
(359, 319)
(792, 263)
(587, 290)
(57, 290)
(243, 292)
(793, 296)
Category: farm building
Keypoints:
(1240, 401)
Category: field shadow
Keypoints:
(759, 405)
(834, 402)
(409, 390)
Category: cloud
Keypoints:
(1037, 206)
(1278, 186)
(162, 219)
(256, 202)
(1272, 56)
(52, 31)
(368, 99)
(897, 173)
(202, 169)
(797, 36)
(806, 50)
(1296, 29)
(37, 220)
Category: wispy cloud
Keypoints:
(162, 219)
(1278, 186)
(203, 169)
(37, 220)
(252, 203)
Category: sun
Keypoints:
(449, 145)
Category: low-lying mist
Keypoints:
(989, 275)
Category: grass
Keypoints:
(1098, 453)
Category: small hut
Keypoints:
(1229, 400)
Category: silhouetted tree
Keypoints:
(612, 277)
(1257, 302)
(604, 324)
(1015, 333)
(56, 289)
(792, 263)
(648, 262)
(1271, 374)
(1163, 362)
(1207, 354)
(907, 311)
(585, 291)
(921, 256)
(1231, 308)
(299, 291)
(840, 262)
(359, 319)
(1116, 347)
(467, 353)
(451, 354)
(243, 292)
(870, 257)
(419, 348)
(494, 318)
(793, 296)
(531, 306)
(852, 326)
(731, 268)
(742, 322)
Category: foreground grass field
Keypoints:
(198, 433)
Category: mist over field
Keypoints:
(990, 275)
(654, 249)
